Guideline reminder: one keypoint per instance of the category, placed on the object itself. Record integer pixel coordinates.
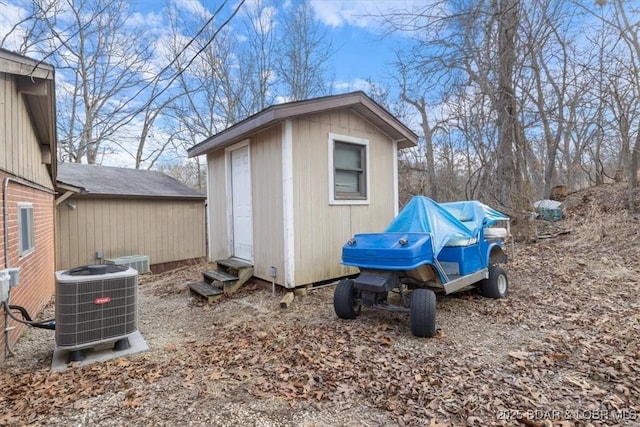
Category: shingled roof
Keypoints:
(113, 181)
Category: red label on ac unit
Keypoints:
(102, 300)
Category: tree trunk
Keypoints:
(633, 175)
(508, 180)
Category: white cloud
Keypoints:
(262, 16)
(358, 13)
(151, 22)
(339, 13)
(9, 17)
(267, 19)
(352, 85)
(193, 7)
(282, 99)
(366, 14)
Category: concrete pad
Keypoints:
(99, 353)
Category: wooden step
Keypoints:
(234, 263)
(229, 276)
(217, 276)
(206, 290)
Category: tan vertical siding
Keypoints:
(20, 153)
(217, 192)
(268, 229)
(321, 229)
(166, 230)
(20, 157)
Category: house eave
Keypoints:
(358, 102)
(88, 195)
(36, 82)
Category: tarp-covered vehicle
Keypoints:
(429, 246)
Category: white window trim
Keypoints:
(21, 206)
(396, 196)
(229, 191)
(333, 137)
(208, 205)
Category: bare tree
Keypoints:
(303, 55)
(428, 126)
(257, 56)
(189, 173)
(629, 119)
(105, 58)
(30, 31)
(511, 144)
(463, 45)
(549, 75)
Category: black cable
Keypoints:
(8, 308)
(183, 69)
(173, 61)
(156, 79)
(64, 42)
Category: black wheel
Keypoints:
(497, 285)
(344, 300)
(423, 313)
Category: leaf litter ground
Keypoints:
(563, 349)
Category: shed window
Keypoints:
(349, 174)
(25, 225)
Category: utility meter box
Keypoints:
(5, 280)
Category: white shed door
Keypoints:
(241, 204)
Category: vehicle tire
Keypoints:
(497, 285)
(344, 300)
(423, 313)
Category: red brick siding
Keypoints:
(36, 267)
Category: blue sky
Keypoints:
(361, 51)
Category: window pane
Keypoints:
(26, 229)
(31, 241)
(347, 182)
(347, 156)
(349, 174)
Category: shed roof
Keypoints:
(358, 102)
(113, 181)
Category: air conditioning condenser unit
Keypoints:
(95, 304)
(138, 262)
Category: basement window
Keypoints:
(348, 170)
(25, 227)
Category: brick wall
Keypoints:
(36, 267)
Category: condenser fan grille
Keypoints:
(95, 309)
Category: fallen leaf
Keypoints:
(520, 355)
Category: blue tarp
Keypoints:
(444, 220)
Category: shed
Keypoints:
(106, 213)
(288, 186)
(27, 171)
